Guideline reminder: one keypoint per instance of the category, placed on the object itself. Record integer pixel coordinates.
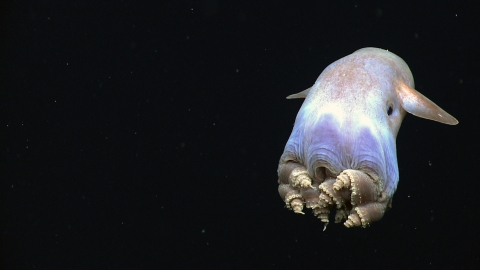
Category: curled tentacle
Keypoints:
(363, 187)
(294, 174)
(328, 189)
(296, 203)
(367, 213)
(291, 197)
(311, 196)
(299, 178)
(322, 214)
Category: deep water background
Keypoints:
(146, 135)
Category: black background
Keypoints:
(146, 135)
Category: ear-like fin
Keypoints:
(302, 94)
(419, 105)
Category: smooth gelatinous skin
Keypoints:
(341, 154)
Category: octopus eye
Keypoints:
(390, 110)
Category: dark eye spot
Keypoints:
(390, 110)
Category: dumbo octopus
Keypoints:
(341, 153)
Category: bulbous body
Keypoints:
(341, 153)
